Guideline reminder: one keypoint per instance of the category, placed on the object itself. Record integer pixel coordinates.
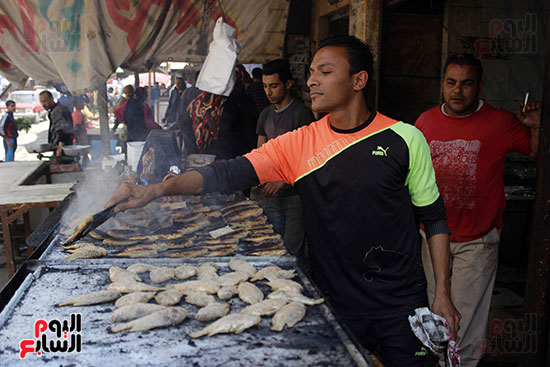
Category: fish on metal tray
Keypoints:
(226, 292)
(188, 253)
(170, 316)
(128, 286)
(93, 298)
(135, 311)
(287, 285)
(249, 293)
(208, 271)
(233, 323)
(212, 311)
(198, 298)
(248, 223)
(117, 274)
(96, 234)
(242, 266)
(76, 245)
(183, 272)
(278, 252)
(225, 251)
(243, 214)
(288, 316)
(139, 268)
(87, 252)
(136, 297)
(232, 278)
(180, 245)
(79, 229)
(273, 271)
(206, 286)
(117, 242)
(169, 297)
(265, 238)
(267, 307)
(161, 274)
(295, 297)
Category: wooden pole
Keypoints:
(537, 288)
(5, 90)
(103, 120)
(149, 90)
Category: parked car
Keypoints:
(28, 104)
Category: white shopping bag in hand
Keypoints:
(217, 74)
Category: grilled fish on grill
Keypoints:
(233, 323)
(278, 252)
(76, 245)
(116, 242)
(239, 204)
(242, 266)
(161, 274)
(267, 307)
(136, 297)
(97, 234)
(295, 297)
(169, 297)
(188, 253)
(288, 316)
(135, 311)
(259, 239)
(273, 271)
(227, 292)
(248, 223)
(139, 268)
(243, 214)
(212, 311)
(117, 274)
(287, 285)
(198, 298)
(87, 252)
(206, 286)
(168, 317)
(128, 286)
(79, 229)
(180, 245)
(93, 298)
(232, 278)
(183, 272)
(249, 293)
(224, 251)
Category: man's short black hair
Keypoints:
(278, 66)
(464, 59)
(46, 92)
(10, 102)
(257, 73)
(359, 57)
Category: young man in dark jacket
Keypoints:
(8, 130)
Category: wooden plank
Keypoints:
(537, 295)
(10, 263)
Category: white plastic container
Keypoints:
(133, 153)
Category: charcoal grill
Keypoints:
(317, 340)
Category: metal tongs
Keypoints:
(90, 223)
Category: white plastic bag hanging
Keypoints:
(216, 75)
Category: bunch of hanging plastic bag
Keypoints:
(217, 72)
(434, 332)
